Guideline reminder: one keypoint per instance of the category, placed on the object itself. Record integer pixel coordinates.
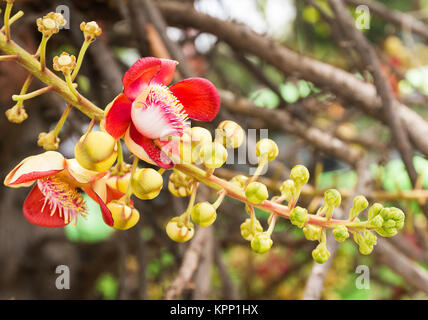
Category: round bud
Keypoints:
(230, 134)
(320, 253)
(256, 192)
(213, 155)
(261, 242)
(288, 190)
(96, 151)
(267, 147)
(203, 214)
(299, 216)
(120, 183)
(146, 183)
(376, 222)
(124, 216)
(300, 175)
(332, 198)
(360, 203)
(374, 210)
(370, 238)
(341, 233)
(199, 137)
(248, 230)
(312, 232)
(178, 232)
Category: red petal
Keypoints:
(107, 217)
(32, 176)
(156, 154)
(118, 116)
(166, 72)
(112, 194)
(33, 211)
(199, 97)
(139, 76)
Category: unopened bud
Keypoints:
(299, 216)
(300, 175)
(321, 253)
(230, 134)
(248, 230)
(96, 151)
(90, 30)
(312, 232)
(261, 243)
(180, 184)
(204, 214)
(64, 63)
(16, 114)
(288, 190)
(239, 180)
(146, 183)
(341, 233)
(124, 216)
(178, 231)
(268, 148)
(48, 141)
(256, 192)
(213, 155)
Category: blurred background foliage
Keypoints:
(280, 274)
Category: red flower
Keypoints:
(148, 110)
(55, 200)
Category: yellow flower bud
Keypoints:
(120, 183)
(178, 231)
(146, 183)
(16, 114)
(204, 214)
(256, 192)
(124, 216)
(213, 155)
(300, 175)
(199, 137)
(230, 134)
(48, 141)
(96, 151)
(267, 147)
(180, 184)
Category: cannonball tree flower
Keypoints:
(148, 111)
(55, 200)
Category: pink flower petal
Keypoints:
(145, 149)
(35, 167)
(138, 77)
(199, 98)
(107, 217)
(33, 212)
(118, 116)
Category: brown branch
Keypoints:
(322, 74)
(189, 265)
(283, 120)
(396, 17)
(315, 283)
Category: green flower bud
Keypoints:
(365, 242)
(376, 222)
(248, 230)
(332, 198)
(267, 147)
(203, 214)
(341, 233)
(300, 175)
(312, 232)
(213, 155)
(256, 192)
(320, 253)
(299, 216)
(261, 243)
(393, 220)
(374, 210)
(289, 190)
(360, 203)
(370, 238)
